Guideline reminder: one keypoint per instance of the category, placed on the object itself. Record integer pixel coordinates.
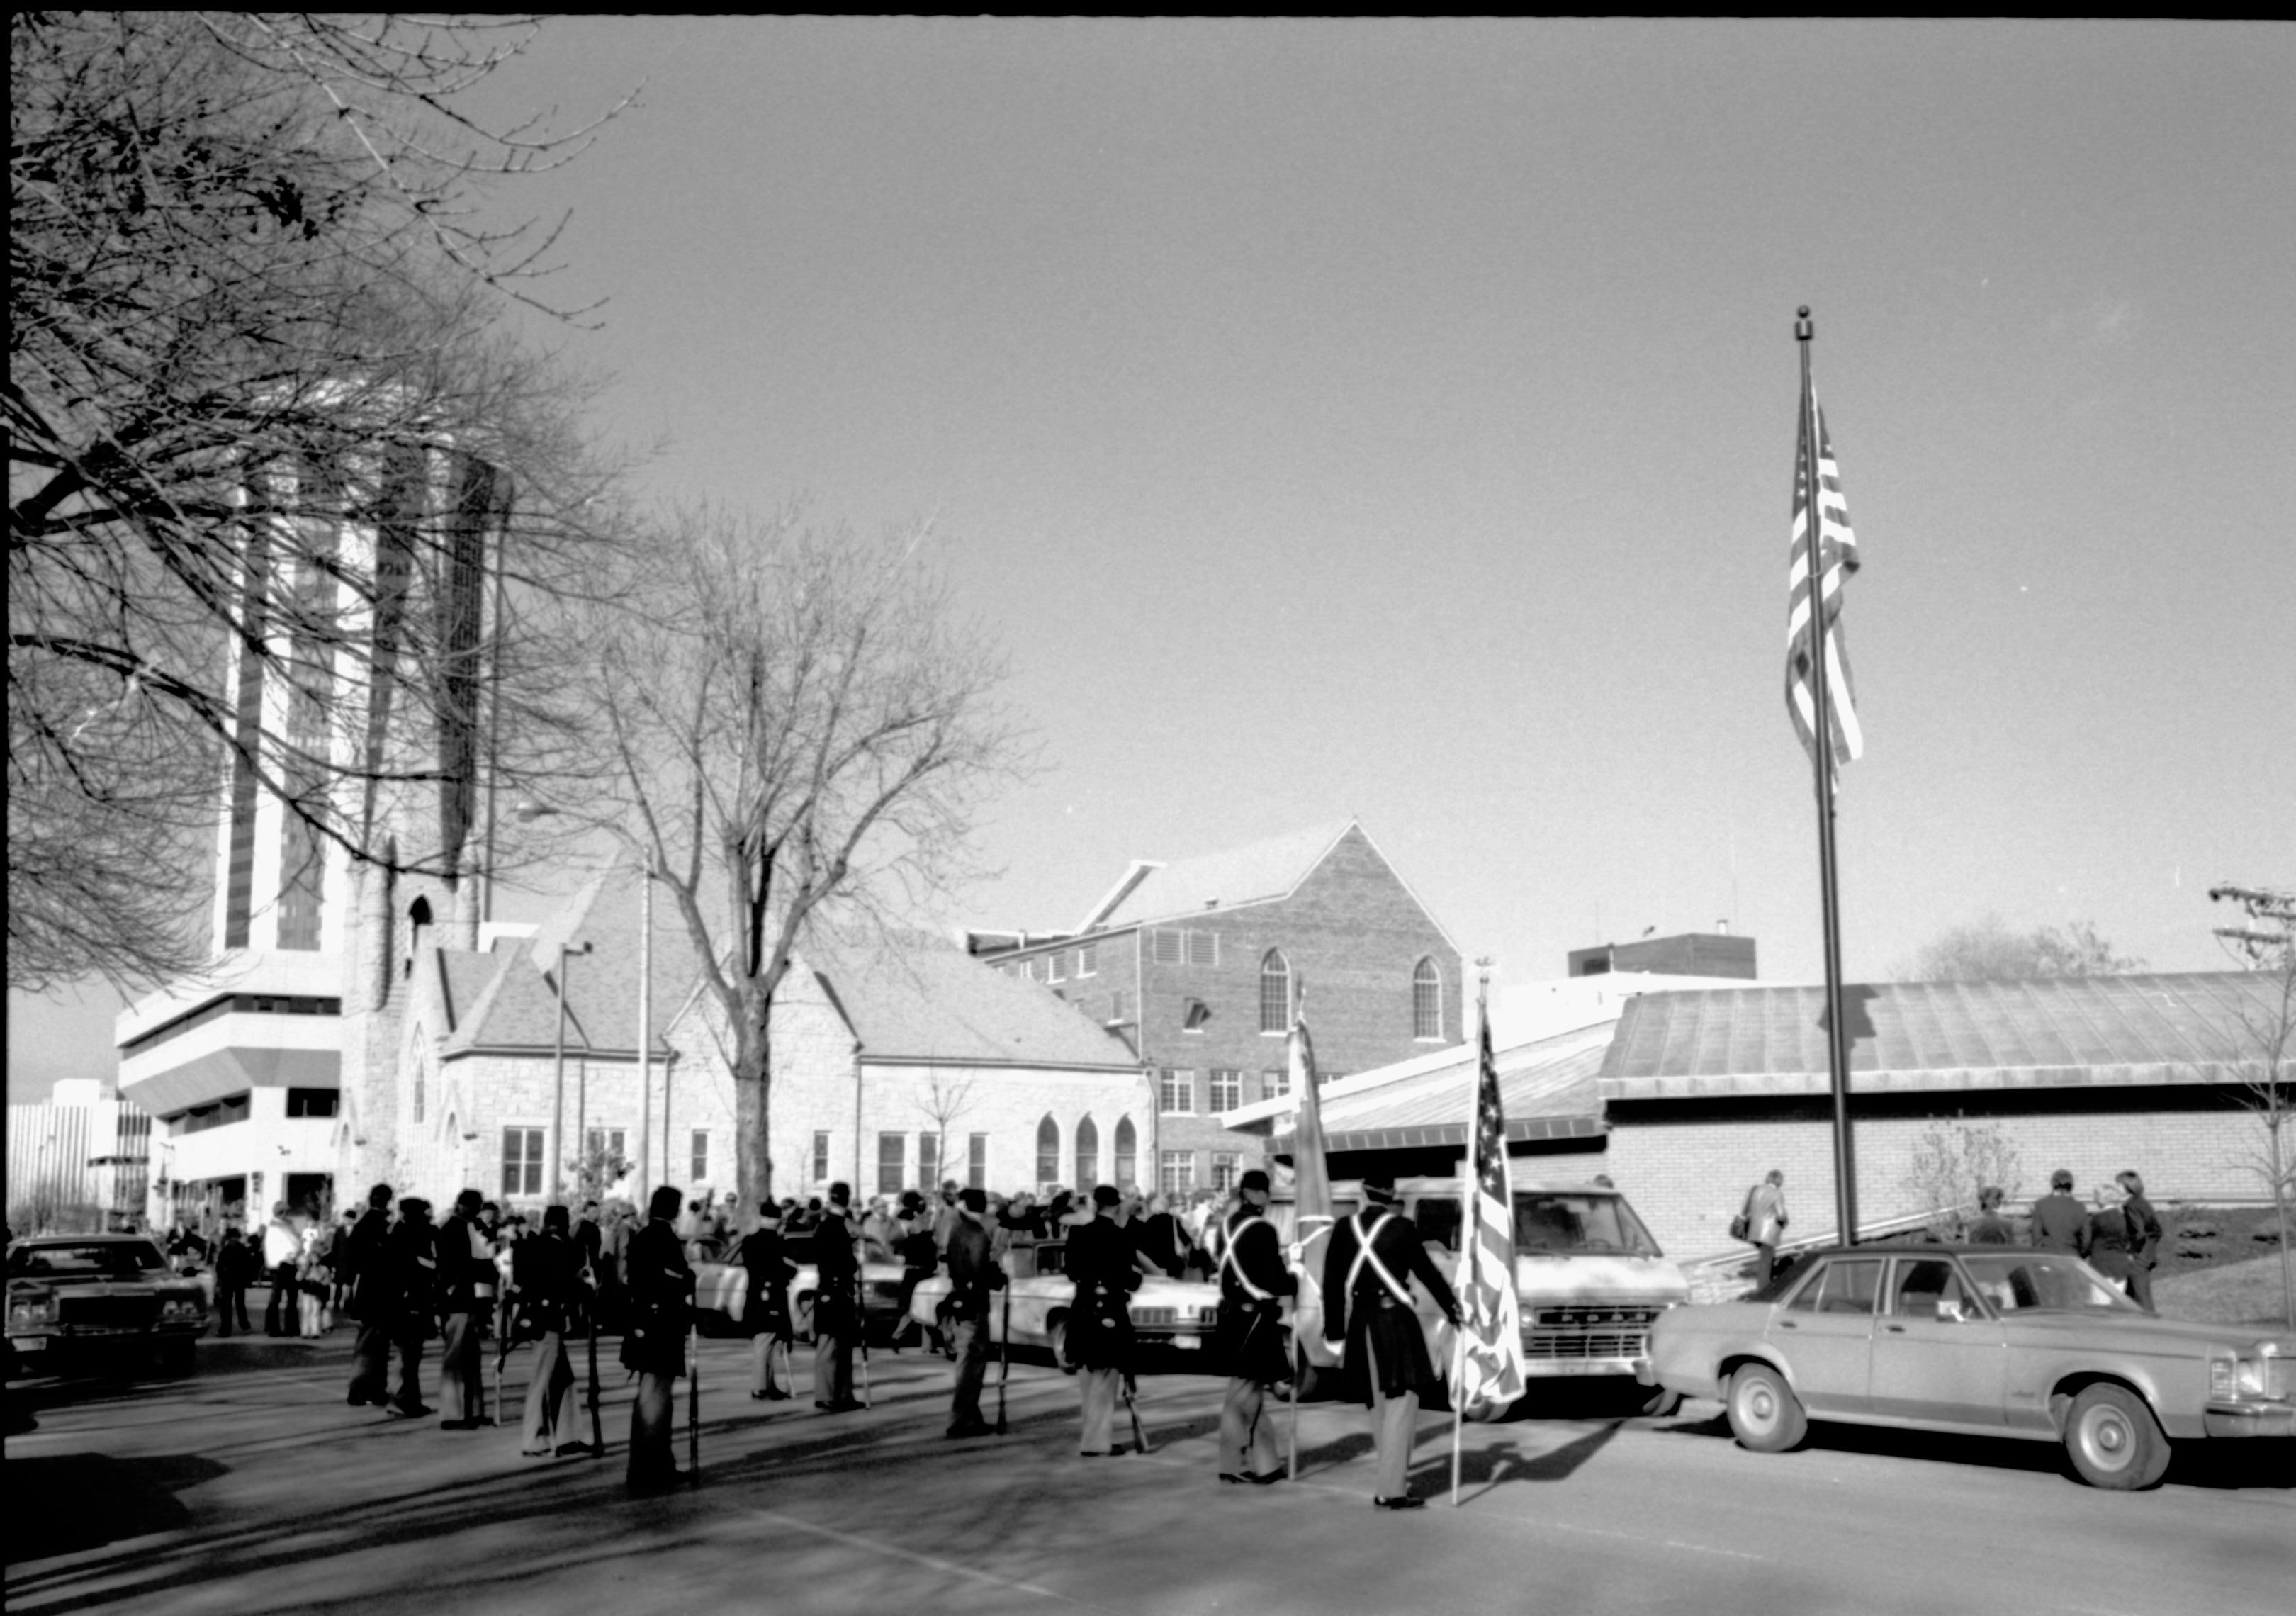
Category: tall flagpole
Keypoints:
(1837, 1039)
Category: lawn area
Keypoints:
(2197, 1238)
(2246, 1292)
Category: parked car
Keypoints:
(1178, 1316)
(72, 1294)
(721, 1291)
(1590, 1282)
(1978, 1340)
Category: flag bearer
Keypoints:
(1367, 1272)
(1253, 1281)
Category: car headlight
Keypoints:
(31, 1311)
(2263, 1378)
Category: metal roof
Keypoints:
(1222, 881)
(1547, 1088)
(1904, 1037)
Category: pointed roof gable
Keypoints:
(1255, 873)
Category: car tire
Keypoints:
(1056, 1336)
(1765, 1414)
(2113, 1440)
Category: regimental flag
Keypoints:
(1311, 1180)
(1490, 1368)
(1837, 559)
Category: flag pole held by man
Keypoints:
(1487, 1366)
(1311, 1192)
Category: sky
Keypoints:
(1396, 421)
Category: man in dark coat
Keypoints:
(837, 1319)
(2059, 1219)
(235, 1266)
(466, 1286)
(973, 1274)
(2143, 1239)
(921, 1250)
(409, 1299)
(1253, 1281)
(549, 1303)
(765, 1310)
(661, 1299)
(1106, 1268)
(361, 1268)
(1368, 1269)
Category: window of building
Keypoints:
(1173, 946)
(1426, 1000)
(700, 1155)
(1048, 1152)
(1202, 948)
(892, 1161)
(1116, 1004)
(1089, 960)
(820, 1158)
(1088, 1155)
(976, 1162)
(1164, 948)
(1175, 1093)
(1193, 1018)
(1275, 992)
(1053, 962)
(1176, 1172)
(521, 1162)
(1227, 1090)
(221, 1114)
(418, 1091)
(928, 1161)
(1127, 1170)
(606, 1146)
(313, 1101)
(1275, 1082)
(1227, 1167)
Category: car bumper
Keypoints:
(2251, 1420)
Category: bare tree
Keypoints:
(795, 730)
(945, 1100)
(266, 433)
(1989, 951)
(2266, 1044)
(1951, 1162)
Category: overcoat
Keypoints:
(662, 1290)
(1253, 1281)
(1376, 1323)
(1100, 1322)
(764, 1259)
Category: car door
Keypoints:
(1940, 1356)
(1826, 1334)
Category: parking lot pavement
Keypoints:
(251, 1486)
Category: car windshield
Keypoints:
(2044, 1282)
(1556, 1221)
(96, 1259)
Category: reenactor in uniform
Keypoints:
(408, 1299)
(1368, 1269)
(1106, 1268)
(466, 1282)
(972, 1274)
(837, 1320)
(766, 1311)
(654, 1345)
(360, 1268)
(1253, 1280)
(549, 1302)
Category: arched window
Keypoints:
(1275, 992)
(1426, 1000)
(1127, 1155)
(1088, 1155)
(418, 922)
(1048, 1152)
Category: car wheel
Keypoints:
(1056, 1336)
(2113, 1440)
(1765, 1414)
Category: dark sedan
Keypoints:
(70, 1294)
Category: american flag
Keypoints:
(1490, 1327)
(1837, 559)
(1312, 1183)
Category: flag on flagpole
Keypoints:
(1837, 559)
(1489, 1361)
(1311, 1180)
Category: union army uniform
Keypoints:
(837, 1320)
(1369, 1269)
(550, 1307)
(1102, 1261)
(1253, 1281)
(660, 1290)
(972, 1275)
(766, 1312)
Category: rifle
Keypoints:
(502, 1347)
(590, 1306)
(861, 1329)
(1004, 1360)
(694, 1402)
(1139, 1439)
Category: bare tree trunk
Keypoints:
(2280, 1205)
(752, 1069)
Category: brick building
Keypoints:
(1686, 1096)
(1194, 963)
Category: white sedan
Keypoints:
(1179, 1314)
(722, 1292)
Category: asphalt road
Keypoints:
(251, 1487)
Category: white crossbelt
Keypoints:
(1228, 1264)
(1364, 1254)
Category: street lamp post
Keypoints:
(645, 1036)
(558, 1092)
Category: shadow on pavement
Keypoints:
(73, 1502)
(1485, 1467)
